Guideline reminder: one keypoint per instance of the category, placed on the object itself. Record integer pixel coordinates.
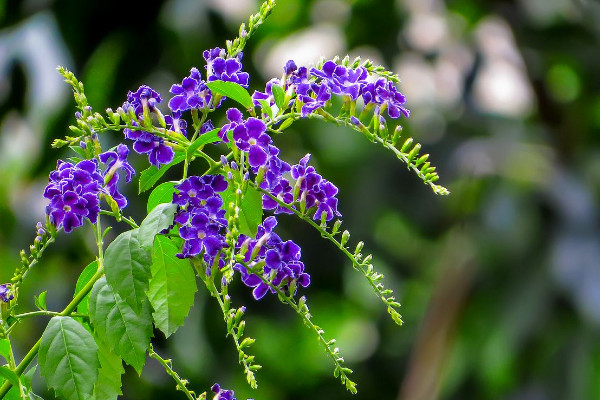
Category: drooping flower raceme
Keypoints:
(269, 257)
(73, 193)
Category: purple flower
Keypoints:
(5, 293)
(222, 69)
(73, 193)
(320, 99)
(235, 118)
(278, 261)
(144, 95)
(206, 127)
(117, 160)
(192, 93)
(290, 67)
(342, 80)
(222, 394)
(384, 92)
(250, 137)
(146, 143)
(176, 123)
(267, 95)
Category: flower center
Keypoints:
(252, 141)
(201, 235)
(67, 208)
(192, 193)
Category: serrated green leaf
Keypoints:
(9, 375)
(250, 209)
(172, 286)
(4, 348)
(127, 268)
(163, 193)
(85, 276)
(159, 219)
(208, 137)
(279, 95)
(233, 91)
(126, 332)
(108, 386)
(151, 175)
(68, 358)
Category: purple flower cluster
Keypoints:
(275, 260)
(312, 95)
(225, 69)
(117, 160)
(310, 189)
(341, 80)
(191, 93)
(200, 216)
(154, 146)
(5, 293)
(384, 93)
(73, 193)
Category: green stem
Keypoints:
(181, 383)
(210, 285)
(51, 313)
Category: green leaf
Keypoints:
(279, 96)
(208, 137)
(150, 176)
(250, 209)
(163, 193)
(172, 286)
(233, 91)
(9, 375)
(5, 348)
(266, 107)
(79, 151)
(85, 276)
(127, 268)
(126, 332)
(68, 358)
(40, 301)
(159, 219)
(108, 386)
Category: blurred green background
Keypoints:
(500, 282)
